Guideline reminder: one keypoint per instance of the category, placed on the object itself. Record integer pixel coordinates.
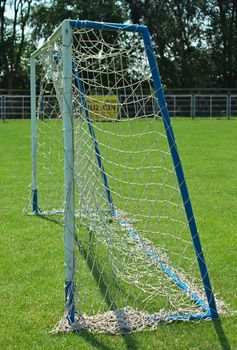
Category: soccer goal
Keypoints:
(105, 161)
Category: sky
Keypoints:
(9, 12)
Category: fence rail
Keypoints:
(194, 106)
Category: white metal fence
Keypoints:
(194, 106)
(14, 107)
(202, 105)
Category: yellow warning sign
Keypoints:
(103, 107)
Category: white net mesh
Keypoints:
(135, 261)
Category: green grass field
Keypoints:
(32, 255)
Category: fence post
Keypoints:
(228, 106)
(42, 107)
(3, 108)
(210, 106)
(193, 107)
(174, 106)
(22, 106)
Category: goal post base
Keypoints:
(36, 210)
(69, 301)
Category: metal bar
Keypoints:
(107, 26)
(180, 175)
(228, 106)
(56, 34)
(35, 207)
(193, 106)
(174, 106)
(210, 106)
(4, 108)
(69, 228)
(22, 107)
(220, 95)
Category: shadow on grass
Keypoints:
(93, 264)
(95, 268)
(223, 340)
(51, 219)
(99, 344)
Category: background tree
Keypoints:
(221, 39)
(13, 44)
(177, 29)
(45, 18)
(195, 40)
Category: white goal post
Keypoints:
(101, 133)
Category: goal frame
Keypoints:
(65, 32)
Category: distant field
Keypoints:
(32, 255)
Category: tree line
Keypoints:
(195, 41)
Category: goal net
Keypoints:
(105, 160)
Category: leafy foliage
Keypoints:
(14, 44)
(46, 18)
(195, 41)
(221, 37)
